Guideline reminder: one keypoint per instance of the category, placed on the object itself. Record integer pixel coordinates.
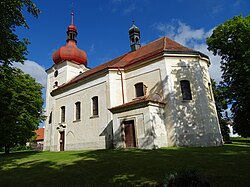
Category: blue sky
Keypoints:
(103, 27)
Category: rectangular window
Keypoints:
(95, 105)
(78, 110)
(50, 118)
(140, 89)
(62, 114)
(186, 90)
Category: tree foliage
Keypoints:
(11, 17)
(231, 41)
(221, 106)
(21, 107)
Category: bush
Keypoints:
(20, 148)
(185, 178)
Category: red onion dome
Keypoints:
(72, 28)
(70, 52)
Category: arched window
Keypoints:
(186, 90)
(62, 114)
(140, 89)
(78, 110)
(95, 106)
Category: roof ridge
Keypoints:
(165, 42)
(150, 50)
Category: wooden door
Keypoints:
(62, 141)
(129, 131)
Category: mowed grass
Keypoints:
(228, 165)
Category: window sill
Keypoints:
(140, 97)
(78, 120)
(94, 116)
(186, 101)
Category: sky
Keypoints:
(103, 26)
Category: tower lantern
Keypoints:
(134, 36)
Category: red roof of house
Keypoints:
(40, 134)
(151, 50)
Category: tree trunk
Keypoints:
(7, 150)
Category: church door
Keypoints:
(129, 130)
(62, 141)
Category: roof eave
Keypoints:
(144, 102)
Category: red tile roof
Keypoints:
(40, 134)
(151, 50)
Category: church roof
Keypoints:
(151, 50)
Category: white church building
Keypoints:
(153, 96)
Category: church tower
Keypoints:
(69, 62)
(134, 36)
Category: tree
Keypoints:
(221, 106)
(231, 41)
(20, 107)
(11, 16)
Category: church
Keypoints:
(156, 95)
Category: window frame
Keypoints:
(95, 106)
(140, 89)
(186, 90)
(78, 111)
(50, 118)
(63, 114)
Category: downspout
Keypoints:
(120, 73)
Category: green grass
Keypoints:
(228, 165)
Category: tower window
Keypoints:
(62, 114)
(56, 73)
(78, 110)
(186, 90)
(50, 118)
(95, 106)
(140, 89)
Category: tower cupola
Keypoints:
(70, 52)
(134, 36)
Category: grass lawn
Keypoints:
(228, 165)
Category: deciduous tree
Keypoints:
(231, 41)
(20, 107)
(11, 16)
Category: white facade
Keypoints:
(159, 118)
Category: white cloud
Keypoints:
(128, 10)
(216, 9)
(92, 48)
(192, 38)
(34, 70)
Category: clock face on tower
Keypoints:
(56, 73)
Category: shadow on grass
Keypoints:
(125, 167)
(13, 156)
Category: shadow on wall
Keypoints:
(196, 119)
(108, 133)
(164, 116)
(187, 122)
(160, 92)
